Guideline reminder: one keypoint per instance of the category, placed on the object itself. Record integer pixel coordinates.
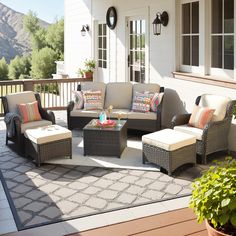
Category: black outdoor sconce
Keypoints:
(161, 19)
(85, 28)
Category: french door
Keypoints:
(137, 67)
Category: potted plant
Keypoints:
(87, 72)
(214, 198)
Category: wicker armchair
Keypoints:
(10, 102)
(214, 136)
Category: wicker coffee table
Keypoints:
(105, 141)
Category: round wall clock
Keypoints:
(111, 17)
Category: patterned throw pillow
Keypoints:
(200, 116)
(29, 112)
(156, 100)
(78, 99)
(141, 102)
(92, 100)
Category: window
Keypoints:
(207, 37)
(222, 34)
(190, 34)
(102, 45)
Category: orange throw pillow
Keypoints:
(200, 116)
(29, 112)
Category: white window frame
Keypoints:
(138, 13)
(225, 73)
(205, 22)
(190, 68)
(102, 48)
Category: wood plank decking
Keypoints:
(175, 223)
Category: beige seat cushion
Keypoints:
(34, 124)
(124, 113)
(169, 139)
(141, 115)
(217, 102)
(139, 87)
(119, 95)
(190, 130)
(47, 134)
(17, 98)
(95, 86)
(84, 113)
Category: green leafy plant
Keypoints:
(89, 66)
(234, 110)
(214, 196)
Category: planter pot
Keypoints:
(88, 75)
(213, 232)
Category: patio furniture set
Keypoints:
(168, 148)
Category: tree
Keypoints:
(3, 69)
(37, 33)
(55, 37)
(43, 63)
(19, 67)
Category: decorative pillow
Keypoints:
(141, 102)
(201, 116)
(78, 99)
(29, 112)
(156, 100)
(92, 100)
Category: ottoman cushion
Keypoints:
(47, 134)
(169, 139)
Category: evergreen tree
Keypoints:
(3, 69)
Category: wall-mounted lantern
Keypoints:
(161, 19)
(85, 28)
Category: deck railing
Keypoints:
(55, 93)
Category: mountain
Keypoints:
(13, 38)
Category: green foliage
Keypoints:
(55, 37)
(43, 63)
(3, 69)
(19, 67)
(234, 110)
(31, 22)
(89, 65)
(214, 196)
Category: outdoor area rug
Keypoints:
(53, 193)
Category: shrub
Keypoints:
(3, 69)
(214, 196)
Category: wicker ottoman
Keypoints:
(169, 149)
(48, 142)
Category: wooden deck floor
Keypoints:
(175, 223)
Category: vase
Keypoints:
(88, 75)
(213, 232)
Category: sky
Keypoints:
(47, 10)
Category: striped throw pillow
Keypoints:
(141, 102)
(29, 112)
(78, 99)
(156, 100)
(92, 100)
(200, 116)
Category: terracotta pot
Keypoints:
(88, 75)
(213, 232)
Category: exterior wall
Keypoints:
(180, 95)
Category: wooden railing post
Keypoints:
(28, 85)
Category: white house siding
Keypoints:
(180, 95)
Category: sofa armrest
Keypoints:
(70, 106)
(180, 119)
(47, 115)
(217, 129)
(159, 112)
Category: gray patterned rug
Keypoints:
(54, 193)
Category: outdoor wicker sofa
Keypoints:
(10, 102)
(214, 136)
(119, 95)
